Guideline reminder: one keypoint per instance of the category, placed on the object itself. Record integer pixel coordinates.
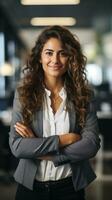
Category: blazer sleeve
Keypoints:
(29, 147)
(89, 144)
(60, 159)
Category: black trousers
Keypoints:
(50, 190)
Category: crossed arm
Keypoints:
(61, 149)
(64, 140)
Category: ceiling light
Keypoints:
(47, 21)
(49, 2)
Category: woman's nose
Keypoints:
(55, 58)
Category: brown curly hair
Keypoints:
(31, 91)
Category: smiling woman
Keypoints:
(54, 59)
(54, 129)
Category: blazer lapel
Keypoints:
(72, 117)
(74, 126)
(38, 123)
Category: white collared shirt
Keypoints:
(54, 124)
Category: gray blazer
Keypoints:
(77, 154)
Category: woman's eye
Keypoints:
(64, 54)
(49, 53)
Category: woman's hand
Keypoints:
(23, 130)
(68, 139)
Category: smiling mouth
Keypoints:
(56, 67)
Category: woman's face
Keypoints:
(54, 58)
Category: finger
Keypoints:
(27, 130)
(21, 131)
(20, 124)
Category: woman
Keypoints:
(54, 129)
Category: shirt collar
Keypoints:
(62, 93)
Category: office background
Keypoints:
(20, 23)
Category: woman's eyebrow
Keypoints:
(60, 50)
(48, 50)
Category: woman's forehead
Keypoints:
(53, 43)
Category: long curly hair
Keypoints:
(31, 90)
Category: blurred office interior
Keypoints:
(91, 21)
